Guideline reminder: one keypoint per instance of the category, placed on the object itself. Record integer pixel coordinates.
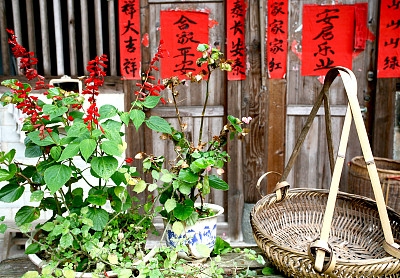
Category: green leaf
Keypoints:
(66, 240)
(158, 124)
(87, 148)
(3, 228)
(76, 114)
(178, 228)
(107, 111)
(125, 118)
(125, 273)
(202, 47)
(70, 151)
(56, 176)
(192, 219)
(11, 192)
(31, 274)
(35, 138)
(37, 196)
(54, 111)
(152, 187)
(203, 250)
(32, 151)
(235, 122)
(137, 116)
(111, 129)
(206, 185)
(10, 155)
(167, 178)
(7, 175)
(217, 183)
(155, 175)
(188, 176)
(98, 198)
(77, 129)
(55, 152)
(111, 148)
(151, 101)
(170, 205)
(184, 188)
(268, 271)
(182, 211)
(140, 186)
(48, 226)
(221, 247)
(69, 101)
(26, 214)
(69, 273)
(99, 217)
(104, 166)
(32, 248)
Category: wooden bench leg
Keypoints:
(6, 245)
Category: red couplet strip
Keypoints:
(389, 39)
(235, 15)
(277, 31)
(328, 36)
(129, 38)
(182, 32)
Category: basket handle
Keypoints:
(282, 186)
(319, 251)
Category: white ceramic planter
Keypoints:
(204, 231)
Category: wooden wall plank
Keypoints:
(254, 103)
(235, 170)
(276, 132)
(72, 39)
(31, 25)
(5, 56)
(44, 27)
(85, 35)
(112, 38)
(17, 27)
(58, 37)
(99, 27)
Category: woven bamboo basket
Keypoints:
(389, 175)
(327, 233)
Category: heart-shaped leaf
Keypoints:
(104, 166)
(56, 176)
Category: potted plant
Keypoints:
(95, 225)
(189, 222)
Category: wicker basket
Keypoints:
(321, 233)
(389, 175)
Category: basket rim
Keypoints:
(266, 199)
(357, 162)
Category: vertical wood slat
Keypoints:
(99, 27)
(85, 35)
(235, 169)
(17, 27)
(44, 26)
(5, 56)
(58, 37)
(276, 132)
(31, 25)
(112, 37)
(72, 40)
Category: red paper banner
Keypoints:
(328, 35)
(235, 15)
(277, 31)
(129, 38)
(361, 35)
(182, 32)
(389, 39)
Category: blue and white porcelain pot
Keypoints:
(203, 232)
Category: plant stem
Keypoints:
(177, 110)
(205, 104)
